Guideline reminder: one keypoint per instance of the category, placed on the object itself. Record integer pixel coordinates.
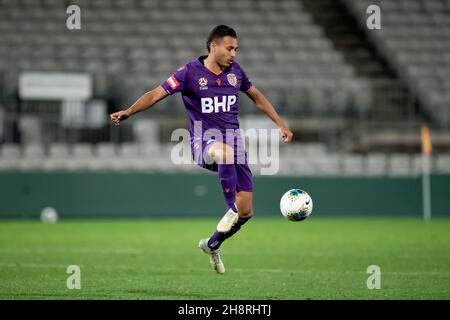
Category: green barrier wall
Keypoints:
(106, 195)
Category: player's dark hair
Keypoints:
(220, 32)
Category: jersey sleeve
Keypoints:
(246, 84)
(176, 82)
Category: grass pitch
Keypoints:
(268, 259)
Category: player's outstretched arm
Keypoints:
(147, 100)
(265, 106)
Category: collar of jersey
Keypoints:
(200, 61)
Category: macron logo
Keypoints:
(217, 104)
(173, 82)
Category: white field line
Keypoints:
(158, 252)
(261, 270)
(79, 250)
(144, 251)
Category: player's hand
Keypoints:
(119, 116)
(286, 134)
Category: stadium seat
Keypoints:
(82, 157)
(414, 37)
(58, 157)
(10, 156)
(376, 164)
(399, 165)
(106, 150)
(121, 30)
(106, 157)
(30, 128)
(353, 165)
(443, 163)
(328, 165)
(146, 131)
(33, 157)
(131, 46)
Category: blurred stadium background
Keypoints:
(355, 99)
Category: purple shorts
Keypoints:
(244, 174)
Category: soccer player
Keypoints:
(210, 87)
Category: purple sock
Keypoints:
(218, 237)
(228, 177)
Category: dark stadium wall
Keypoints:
(130, 195)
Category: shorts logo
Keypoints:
(173, 82)
(231, 77)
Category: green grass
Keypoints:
(268, 259)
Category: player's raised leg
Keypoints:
(211, 246)
(214, 256)
(244, 201)
(223, 155)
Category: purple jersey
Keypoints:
(209, 98)
(213, 102)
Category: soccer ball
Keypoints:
(296, 205)
(49, 215)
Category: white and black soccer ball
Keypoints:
(296, 205)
